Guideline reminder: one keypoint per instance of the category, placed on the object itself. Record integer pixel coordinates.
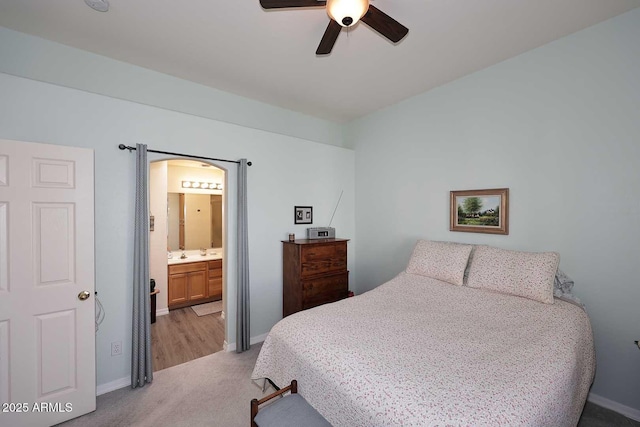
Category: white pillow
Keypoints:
(466, 270)
(525, 274)
(444, 261)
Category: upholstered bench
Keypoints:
(287, 411)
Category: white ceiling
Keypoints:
(236, 46)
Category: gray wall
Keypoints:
(559, 126)
(43, 60)
(286, 171)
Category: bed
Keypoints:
(423, 351)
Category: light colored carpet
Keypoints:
(213, 391)
(207, 308)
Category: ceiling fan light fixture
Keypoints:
(347, 12)
(98, 5)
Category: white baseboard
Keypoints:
(259, 338)
(253, 340)
(113, 385)
(126, 381)
(625, 410)
(162, 311)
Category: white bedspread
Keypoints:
(420, 352)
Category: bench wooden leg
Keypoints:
(254, 412)
(255, 403)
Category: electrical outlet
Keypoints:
(116, 348)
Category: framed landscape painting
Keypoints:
(480, 211)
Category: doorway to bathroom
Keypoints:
(186, 261)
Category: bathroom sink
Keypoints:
(193, 256)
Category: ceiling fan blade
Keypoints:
(384, 24)
(329, 38)
(277, 4)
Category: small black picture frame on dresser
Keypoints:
(303, 215)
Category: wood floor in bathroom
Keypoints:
(181, 336)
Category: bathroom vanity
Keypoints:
(194, 280)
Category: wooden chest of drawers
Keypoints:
(314, 273)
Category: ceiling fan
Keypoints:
(345, 13)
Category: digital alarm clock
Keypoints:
(321, 233)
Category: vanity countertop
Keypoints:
(194, 256)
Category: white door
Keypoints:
(47, 332)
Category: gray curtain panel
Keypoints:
(141, 368)
(242, 314)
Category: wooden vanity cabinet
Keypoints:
(314, 273)
(215, 279)
(190, 284)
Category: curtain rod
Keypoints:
(126, 147)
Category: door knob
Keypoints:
(84, 295)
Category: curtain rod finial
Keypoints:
(126, 147)
(249, 163)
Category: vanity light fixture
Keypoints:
(202, 185)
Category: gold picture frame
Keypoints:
(480, 211)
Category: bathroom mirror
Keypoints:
(194, 221)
